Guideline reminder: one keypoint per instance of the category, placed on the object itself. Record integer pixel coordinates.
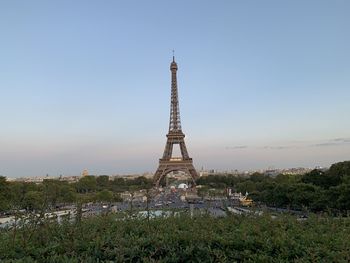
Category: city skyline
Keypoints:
(87, 85)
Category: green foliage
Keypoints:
(4, 194)
(317, 190)
(51, 194)
(319, 178)
(102, 181)
(67, 194)
(104, 196)
(218, 181)
(33, 200)
(340, 170)
(181, 239)
(18, 192)
(87, 184)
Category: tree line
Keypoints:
(52, 193)
(317, 190)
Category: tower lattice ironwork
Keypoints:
(175, 135)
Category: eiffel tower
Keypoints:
(175, 135)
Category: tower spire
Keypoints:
(175, 122)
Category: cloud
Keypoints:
(324, 144)
(343, 140)
(236, 147)
(296, 144)
(277, 147)
(332, 142)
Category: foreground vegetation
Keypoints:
(180, 239)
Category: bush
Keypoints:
(181, 239)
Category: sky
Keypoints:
(86, 84)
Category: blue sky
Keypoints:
(86, 84)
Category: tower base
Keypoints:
(172, 165)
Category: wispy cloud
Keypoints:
(344, 140)
(296, 144)
(277, 147)
(236, 147)
(332, 142)
(324, 144)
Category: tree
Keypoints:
(33, 200)
(67, 194)
(280, 196)
(257, 177)
(343, 200)
(104, 196)
(51, 191)
(102, 181)
(141, 180)
(4, 194)
(319, 178)
(17, 190)
(246, 186)
(86, 184)
(288, 178)
(339, 172)
(302, 195)
(118, 184)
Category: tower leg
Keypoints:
(166, 167)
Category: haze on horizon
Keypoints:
(86, 84)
